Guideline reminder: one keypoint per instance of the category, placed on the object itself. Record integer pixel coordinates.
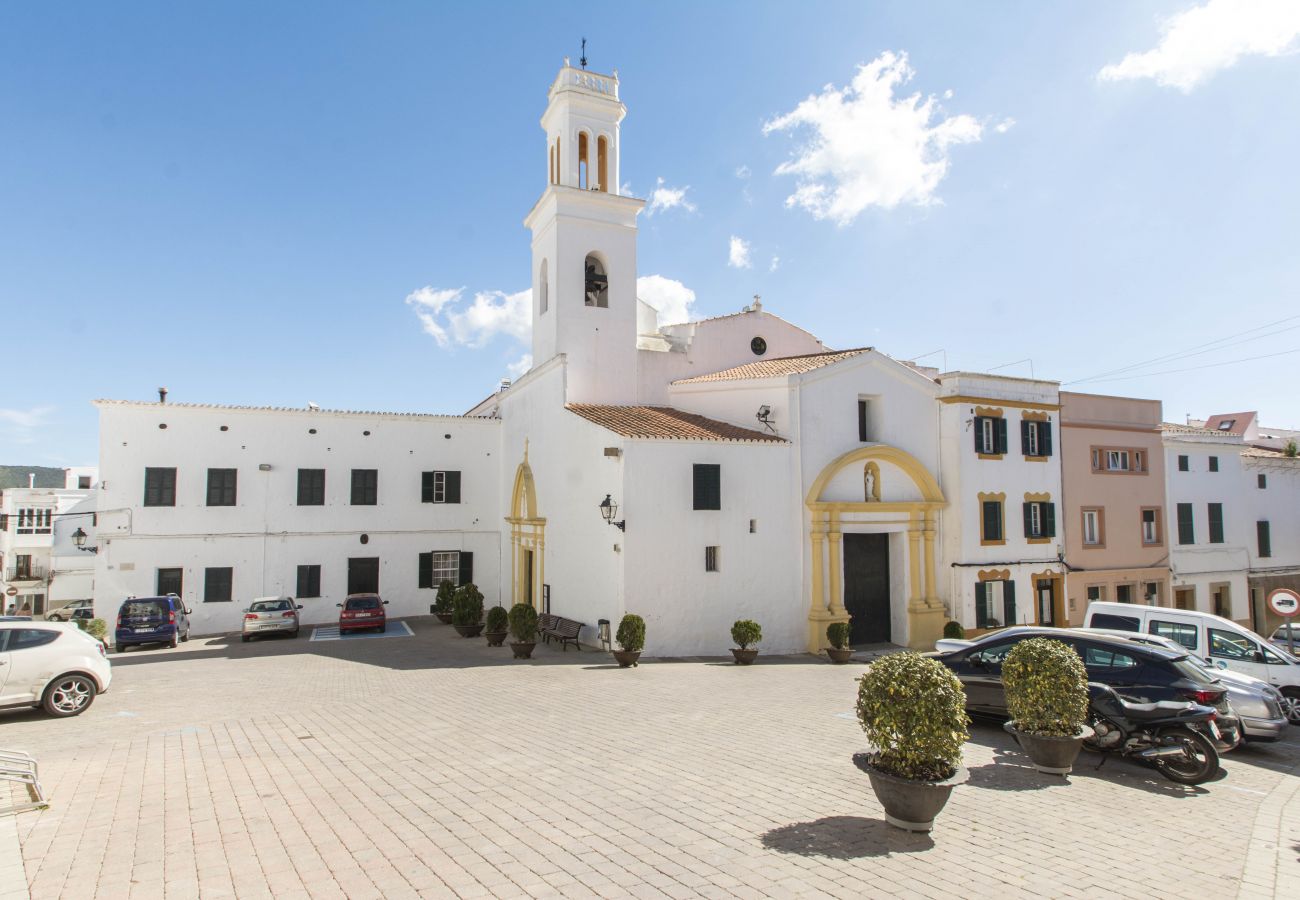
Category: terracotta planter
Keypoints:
(1050, 755)
(839, 656)
(626, 657)
(909, 805)
(744, 657)
(495, 638)
(523, 649)
(444, 618)
(469, 630)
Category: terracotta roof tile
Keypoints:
(777, 367)
(1175, 428)
(666, 422)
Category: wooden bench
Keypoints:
(566, 631)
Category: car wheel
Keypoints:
(186, 635)
(175, 641)
(1291, 704)
(68, 695)
(245, 638)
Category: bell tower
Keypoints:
(584, 242)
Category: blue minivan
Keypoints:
(152, 620)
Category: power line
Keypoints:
(1230, 362)
(1196, 350)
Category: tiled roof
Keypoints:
(1175, 428)
(284, 409)
(1266, 453)
(666, 422)
(773, 368)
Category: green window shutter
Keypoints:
(981, 614)
(1186, 524)
(452, 487)
(1029, 520)
(426, 487)
(992, 520)
(979, 435)
(1265, 541)
(1024, 437)
(1045, 438)
(425, 577)
(707, 483)
(1008, 603)
(1000, 430)
(466, 567)
(1049, 520)
(1216, 523)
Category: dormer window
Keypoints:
(597, 283)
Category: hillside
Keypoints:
(16, 476)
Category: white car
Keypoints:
(52, 665)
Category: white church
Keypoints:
(694, 474)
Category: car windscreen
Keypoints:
(363, 603)
(143, 609)
(270, 606)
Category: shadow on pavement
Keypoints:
(844, 837)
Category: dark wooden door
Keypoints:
(866, 587)
(363, 575)
(528, 577)
(169, 581)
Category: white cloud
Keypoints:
(664, 198)
(492, 313)
(869, 148)
(671, 298)
(428, 303)
(21, 425)
(1005, 125)
(775, 264)
(1198, 42)
(743, 172)
(738, 255)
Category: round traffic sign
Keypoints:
(1284, 602)
(12, 591)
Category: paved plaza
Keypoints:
(435, 766)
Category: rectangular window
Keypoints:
(1151, 592)
(707, 485)
(995, 604)
(710, 559)
(170, 581)
(990, 435)
(1124, 593)
(1184, 465)
(34, 521)
(1096, 594)
(863, 434)
(1040, 519)
(1092, 533)
(1214, 464)
(217, 584)
(1216, 523)
(991, 522)
(1036, 438)
(83, 482)
(1261, 481)
(221, 487)
(159, 487)
(309, 581)
(1264, 539)
(22, 566)
(365, 487)
(438, 566)
(1186, 524)
(311, 487)
(1118, 459)
(1176, 631)
(440, 487)
(1151, 525)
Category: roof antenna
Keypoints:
(583, 59)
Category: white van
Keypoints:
(1220, 642)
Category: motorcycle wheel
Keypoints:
(1199, 766)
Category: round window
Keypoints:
(758, 345)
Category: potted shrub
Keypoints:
(523, 627)
(745, 632)
(442, 602)
(954, 631)
(497, 626)
(1047, 697)
(913, 711)
(631, 640)
(838, 634)
(467, 611)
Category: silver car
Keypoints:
(271, 615)
(1256, 703)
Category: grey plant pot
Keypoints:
(495, 638)
(744, 657)
(523, 649)
(1050, 755)
(469, 631)
(909, 805)
(626, 658)
(839, 656)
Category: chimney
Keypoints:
(31, 479)
(162, 395)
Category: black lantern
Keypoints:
(609, 509)
(79, 539)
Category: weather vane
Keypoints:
(583, 59)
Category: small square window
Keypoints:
(1184, 464)
(710, 559)
(1214, 464)
(1261, 480)
(1124, 593)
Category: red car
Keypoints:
(362, 611)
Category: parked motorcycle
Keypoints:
(1170, 736)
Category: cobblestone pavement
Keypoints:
(435, 766)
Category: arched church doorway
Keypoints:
(527, 538)
(866, 587)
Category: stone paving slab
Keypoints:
(438, 767)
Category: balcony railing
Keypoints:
(28, 573)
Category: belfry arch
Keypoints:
(527, 538)
(875, 467)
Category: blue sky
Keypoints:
(236, 200)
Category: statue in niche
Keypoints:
(871, 483)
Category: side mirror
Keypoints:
(976, 660)
(339, 605)
(299, 606)
(386, 603)
(1260, 657)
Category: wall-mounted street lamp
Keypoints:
(609, 509)
(79, 539)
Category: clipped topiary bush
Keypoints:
(467, 605)
(1047, 688)
(523, 623)
(954, 630)
(631, 633)
(745, 632)
(838, 634)
(913, 711)
(446, 593)
(497, 620)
